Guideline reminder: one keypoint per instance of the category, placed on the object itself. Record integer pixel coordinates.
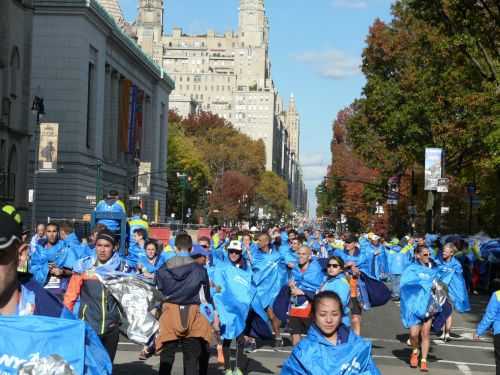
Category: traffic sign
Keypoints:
(442, 185)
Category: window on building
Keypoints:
(90, 104)
(15, 66)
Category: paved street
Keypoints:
(382, 326)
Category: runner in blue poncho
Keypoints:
(330, 347)
(417, 283)
(336, 281)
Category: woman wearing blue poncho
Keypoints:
(330, 347)
(417, 284)
(450, 272)
(233, 297)
(336, 282)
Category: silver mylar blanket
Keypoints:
(51, 365)
(137, 299)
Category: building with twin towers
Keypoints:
(229, 75)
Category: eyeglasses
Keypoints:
(333, 266)
(205, 246)
(232, 251)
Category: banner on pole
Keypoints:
(144, 178)
(48, 147)
(433, 167)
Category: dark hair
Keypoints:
(301, 237)
(204, 238)
(107, 236)
(136, 210)
(326, 294)
(140, 231)
(292, 231)
(337, 259)
(67, 227)
(155, 243)
(113, 193)
(98, 228)
(53, 225)
(419, 249)
(183, 241)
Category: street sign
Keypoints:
(92, 200)
(445, 210)
(31, 195)
(134, 198)
(442, 185)
(433, 167)
(144, 178)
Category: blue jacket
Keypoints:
(491, 316)
(340, 285)
(315, 355)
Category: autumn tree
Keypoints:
(272, 195)
(432, 81)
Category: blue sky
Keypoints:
(315, 49)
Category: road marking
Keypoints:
(128, 343)
(464, 369)
(440, 343)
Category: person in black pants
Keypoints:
(240, 355)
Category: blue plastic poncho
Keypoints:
(315, 355)
(416, 293)
(233, 298)
(25, 337)
(451, 274)
(267, 276)
(311, 279)
(397, 260)
(60, 254)
(340, 285)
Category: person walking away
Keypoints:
(185, 287)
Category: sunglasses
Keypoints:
(333, 266)
(426, 255)
(205, 246)
(232, 251)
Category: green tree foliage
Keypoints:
(272, 194)
(185, 158)
(217, 157)
(432, 81)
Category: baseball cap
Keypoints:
(199, 251)
(234, 245)
(351, 238)
(10, 226)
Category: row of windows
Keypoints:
(200, 78)
(198, 88)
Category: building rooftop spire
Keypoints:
(114, 9)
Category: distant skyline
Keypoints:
(315, 54)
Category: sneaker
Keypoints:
(237, 371)
(423, 366)
(220, 356)
(278, 342)
(414, 359)
(408, 342)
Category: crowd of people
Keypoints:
(236, 286)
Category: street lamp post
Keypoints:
(38, 110)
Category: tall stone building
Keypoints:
(228, 74)
(16, 25)
(110, 101)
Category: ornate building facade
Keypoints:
(228, 74)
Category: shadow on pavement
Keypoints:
(256, 366)
(136, 367)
